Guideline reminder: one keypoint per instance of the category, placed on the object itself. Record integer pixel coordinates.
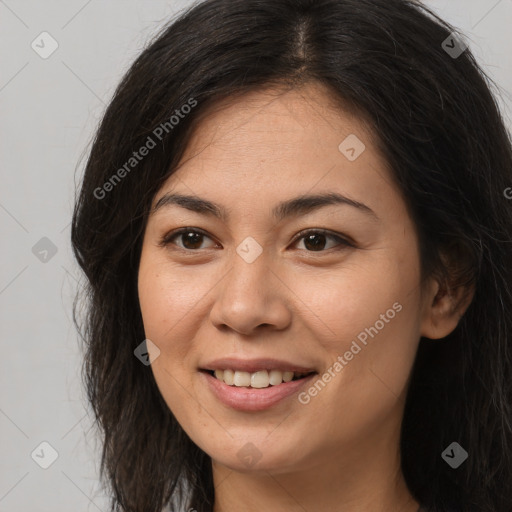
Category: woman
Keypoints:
(296, 234)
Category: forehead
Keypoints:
(274, 117)
(273, 143)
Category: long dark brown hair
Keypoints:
(438, 124)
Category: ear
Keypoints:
(444, 306)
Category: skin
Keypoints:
(202, 301)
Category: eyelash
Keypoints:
(167, 239)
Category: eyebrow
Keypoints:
(300, 205)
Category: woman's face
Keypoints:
(240, 290)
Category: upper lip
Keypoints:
(254, 365)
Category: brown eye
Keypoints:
(191, 239)
(316, 240)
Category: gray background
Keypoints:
(48, 110)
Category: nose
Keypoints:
(252, 297)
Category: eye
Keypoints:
(190, 242)
(315, 240)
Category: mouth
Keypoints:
(257, 380)
(256, 391)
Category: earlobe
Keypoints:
(444, 307)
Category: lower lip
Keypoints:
(253, 399)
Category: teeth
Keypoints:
(259, 379)
(242, 379)
(228, 376)
(275, 377)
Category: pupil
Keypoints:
(191, 238)
(315, 246)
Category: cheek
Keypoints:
(167, 299)
(172, 303)
(369, 315)
(168, 296)
(377, 352)
(348, 300)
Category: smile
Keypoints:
(259, 380)
(247, 398)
